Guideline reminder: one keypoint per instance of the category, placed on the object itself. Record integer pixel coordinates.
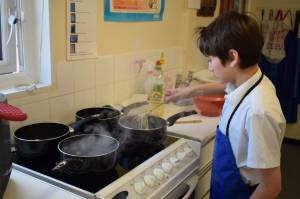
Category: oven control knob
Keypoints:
(188, 150)
(167, 167)
(181, 155)
(139, 187)
(159, 174)
(174, 161)
(150, 180)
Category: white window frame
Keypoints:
(8, 51)
(36, 41)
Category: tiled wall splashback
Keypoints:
(89, 83)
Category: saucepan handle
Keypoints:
(64, 164)
(80, 123)
(171, 120)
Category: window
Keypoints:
(25, 56)
(9, 34)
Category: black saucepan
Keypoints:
(40, 139)
(131, 134)
(103, 120)
(87, 153)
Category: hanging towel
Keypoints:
(285, 77)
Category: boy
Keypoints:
(246, 162)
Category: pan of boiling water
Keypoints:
(87, 153)
(98, 119)
(146, 129)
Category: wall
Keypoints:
(113, 76)
(194, 58)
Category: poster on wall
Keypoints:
(81, 29)
(133, 10)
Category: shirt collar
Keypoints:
(235, 94)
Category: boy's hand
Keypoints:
(174, 95)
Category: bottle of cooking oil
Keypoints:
(162, 60)
(156, 97)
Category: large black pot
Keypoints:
(98, 120)
(87, 153)
(40, 139)
(132, 137)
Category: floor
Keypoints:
(290, 168)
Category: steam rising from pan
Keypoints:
(89, 145)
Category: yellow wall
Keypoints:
(176, 29)
(113, 76)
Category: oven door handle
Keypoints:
(192, 183)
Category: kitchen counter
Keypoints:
(203, 131)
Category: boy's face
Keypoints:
(222, 72)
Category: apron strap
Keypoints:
(237, 106)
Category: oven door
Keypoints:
(185, 189)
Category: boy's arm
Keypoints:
(192, 91)
(270, 184)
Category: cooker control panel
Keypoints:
(159, 174)
(163, 170)
(167, 168)
(140, 187)
(150, 180)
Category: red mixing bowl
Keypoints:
(209, 105)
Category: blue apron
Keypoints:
(226, 180)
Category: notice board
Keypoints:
(133, 10)
(81, 29)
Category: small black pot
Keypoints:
(40, 139)
(98, 120)
(87, 153)
(131, 135)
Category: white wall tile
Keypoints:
(85, 99)
(29, 99)
(65, 79)
(81, 84)
(152, 55)
(105, 72)
(84, 74)
(36, 112)
(134, 87)
(125, 67)
(62, 109)
(105, 94)
(122, 91)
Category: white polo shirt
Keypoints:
(257, 128)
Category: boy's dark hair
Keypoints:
(232, 30)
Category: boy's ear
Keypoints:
(234, 57)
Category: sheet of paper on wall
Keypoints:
(133, 10)
(81, 29)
